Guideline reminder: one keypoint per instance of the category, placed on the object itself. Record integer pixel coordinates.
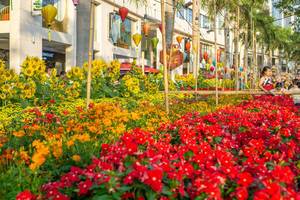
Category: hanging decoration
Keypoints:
(179, 39)
(218, 55)
(212, 68)
(205, 55)
(75, 2)
(146, 29)
(187, 45)
(160, 27)
(49, 13)
(123, 11)
(154, 42)
(137, 39)
(214, 62)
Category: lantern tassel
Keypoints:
(49, 35)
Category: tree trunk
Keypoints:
(236, 48)
(227, 40)
(246, 53)
(270, 57)
(254, 59)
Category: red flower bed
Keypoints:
(246, 151)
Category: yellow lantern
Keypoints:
(49, 13)
(137, 39)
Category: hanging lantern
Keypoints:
(214, 62)
(187, 46)
(160, 27)
(123, 11)
(210, 61)
(137, 39)
(75, 2)
(218, 55)
(205, 55)
(212, 68)
(146, 29)
(179, 39)
(49, 13)
(154, 42)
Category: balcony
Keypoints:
(4, 10)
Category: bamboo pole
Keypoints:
(216, 50)
(143, 65)
(90, 54)
(163, 31)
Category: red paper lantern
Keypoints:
(205, 56)
(123, 11)
(212, 68)
(146, 29)
(187, 46)
(160, 27)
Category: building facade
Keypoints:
(23, 33)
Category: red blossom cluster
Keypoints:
(240, 152)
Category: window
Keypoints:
(120, 33)
(204, 22)
(180, 13)
(189, 15)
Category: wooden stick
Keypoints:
(91, 40)
(163, 31)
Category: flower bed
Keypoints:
(240, 152)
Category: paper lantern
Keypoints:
(205, 55)
(214, 62)
(123, 11)
(179, 39)
(146, 29)
(241, 69)
(137, 39)
(212, 68)
(187, 46)
(75, 2)
(160, 27)
(49, 13)
(218, 55)
(154, 42)
(210, 61)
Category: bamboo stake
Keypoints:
(237, 49)
(143, 66)
(90, 54)
(163, 31)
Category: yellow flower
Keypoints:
(2, 96)
(5, 88)
(28, 71)
(76, 158)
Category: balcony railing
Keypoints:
(4, 13)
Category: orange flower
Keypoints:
(70, 143)
(20, 133)
(76, 158)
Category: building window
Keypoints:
(120, 33)
(180, 13)
(204, 22)
(189, 15)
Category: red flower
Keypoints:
(84, 187)
(52, 101)
(154, 179)
(241, 193)
(25, 195)
(245, 179)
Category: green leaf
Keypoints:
(103, 197)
